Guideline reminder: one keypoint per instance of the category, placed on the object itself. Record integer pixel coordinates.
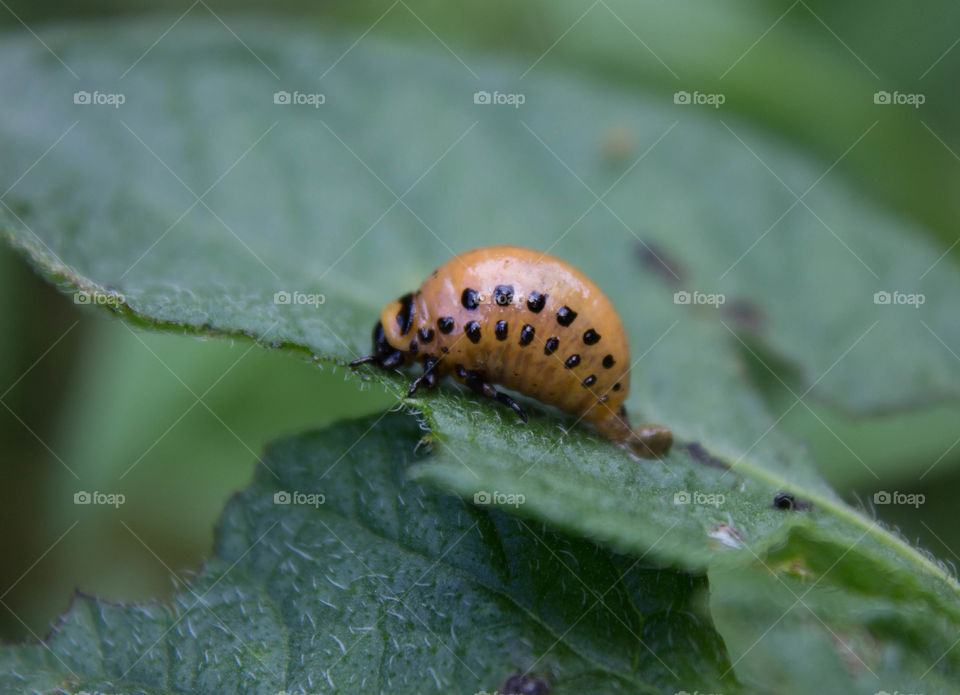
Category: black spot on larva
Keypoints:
(426, 335)
(461, 372)
(608, 361)
(470, 299)
(536, 302)
(703, 456)
(414, 347)
(472, 329)
(526, 335)
(572, 361)
(500, 330)
(444, 349)
(590, 380)
(405, 315)
(591, 337)
(616, 387)
(445, 324)
(623, 411)
(503, 295)
(551, 346)
(566, 315)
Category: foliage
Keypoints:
(316, 202)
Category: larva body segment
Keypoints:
(528, 321)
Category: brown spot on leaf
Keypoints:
(745, 314)
(696, 450)
(656, 261)
(619, 144)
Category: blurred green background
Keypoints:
(81, 389)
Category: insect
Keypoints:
(786, 501)
(524, 320)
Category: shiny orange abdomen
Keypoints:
(528, 321)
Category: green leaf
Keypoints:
(380, 586)
(305, 199)
(812, 638)
(780, 64)
(361, 208)
(577, 485)
(114, 441)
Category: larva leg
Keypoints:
(427, 379)
(476, 382)
(364, 360)
(394, 359)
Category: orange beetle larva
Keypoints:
(528, 321)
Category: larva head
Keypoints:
(398, 322)
(381, 348)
